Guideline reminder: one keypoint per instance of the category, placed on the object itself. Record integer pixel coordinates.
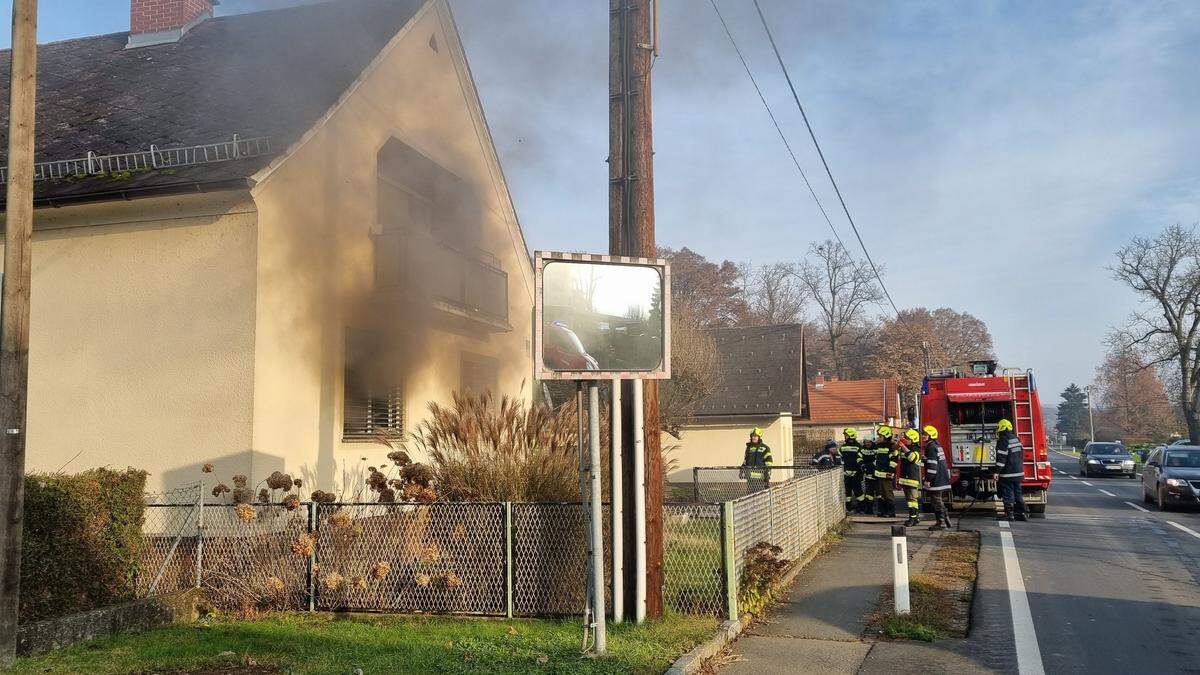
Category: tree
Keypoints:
(1073, 414)
(703, 292)
(1131, 401)
(1164, 271)
(952, 339)
(773, 294)
(841, 288)
(695, 374)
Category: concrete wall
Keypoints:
(316, 265)
(722, 442)
(141, 336)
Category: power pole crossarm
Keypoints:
(14, 316)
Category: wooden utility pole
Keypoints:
(14, 316)
(631, 233)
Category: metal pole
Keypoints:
(639, 505)
(509, 568)
(200, 536)
(900, 568)
(597, 513)
(14, 317)
(616, 513)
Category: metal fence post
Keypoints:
(200, 535)
(312, 557)
(728, 563)
(771, 515)
(509, 568)
(696, 483)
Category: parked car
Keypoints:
(1106, 459)
(1172, 477)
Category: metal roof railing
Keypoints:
(147, 160)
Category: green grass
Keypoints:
(692, 569)
(326, 643)
(906, 628)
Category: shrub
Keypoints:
(83, 536)
(488, 450)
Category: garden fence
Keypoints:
(491, 559)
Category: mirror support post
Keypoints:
(597, 515)
(616, 496)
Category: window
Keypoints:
(478, 373)
(372, 398)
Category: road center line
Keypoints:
(1184, 528)
(1138, 507)
(1072, 477)
(1086, 483)
(1029, 655)
(1108, 493)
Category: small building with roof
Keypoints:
(835, 404)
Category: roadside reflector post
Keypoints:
(900, 568)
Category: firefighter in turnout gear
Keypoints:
(756, 464)
(1010, 470)
(828, 457)
(937, 476)
(887, 456)
(851, 478)
(910, 476)
(866, 464)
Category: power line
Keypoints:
(796, 98)
(774, 121)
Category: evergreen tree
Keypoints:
(1073, 415)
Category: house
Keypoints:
(761, 385)
(261, 238)
(835, 404)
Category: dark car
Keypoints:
(1105, 459)
(1172, 477)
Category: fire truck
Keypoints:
(965, 407)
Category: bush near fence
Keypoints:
(82, 541)
(481, 558)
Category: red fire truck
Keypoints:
(965, 408)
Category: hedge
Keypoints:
(82, 538)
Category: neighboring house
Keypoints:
(267, 302)
(761, 385)
(835, 404)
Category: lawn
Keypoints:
(330, 643)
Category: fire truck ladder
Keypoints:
(1018, 386)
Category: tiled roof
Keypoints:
(761, 371)
(272, 73)
(851, 401)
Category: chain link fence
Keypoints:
(723, 483)
(493, 559)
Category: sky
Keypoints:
(993, 154)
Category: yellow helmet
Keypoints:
(930, 431)
(756, 431)
(885, 431)
(1004, 425)
(850, 432)
(912, 435)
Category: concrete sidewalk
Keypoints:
(819, 626)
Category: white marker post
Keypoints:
(900, 568)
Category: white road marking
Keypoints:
(1029, 655)
(1184, 528)
(1108, 493)
(1143, 510)
(1004, 524)
(1072, 477)
(1086, 483)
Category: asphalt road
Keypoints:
(1112, 586)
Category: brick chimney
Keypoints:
(156, 22)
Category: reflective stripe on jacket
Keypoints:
(850, 450)
(936, 471)
(758, 456)
(1010, 456)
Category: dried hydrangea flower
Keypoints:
(298, 483)
(341, 519)
(422, 579)
(399, 458)
(207, 468)
(220, 489)
(274, 584)
(239, 481)
(242, 495)
(264, 495)
(291, 502)
(381, 570)
(304, 546)
(245, 512)
(358, 582)
(331, 581)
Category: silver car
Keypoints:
(1105, 459)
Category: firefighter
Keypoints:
(886, 456)
(910, 476)
(866, 464)
(851, 478)
(828, 457)
(1010, 470)
(937, 476)
(756, 464)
